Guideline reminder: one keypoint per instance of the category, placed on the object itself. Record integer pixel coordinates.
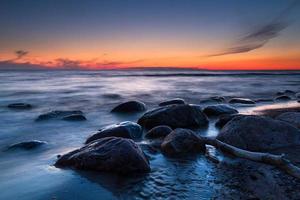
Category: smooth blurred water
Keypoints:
(30, 174)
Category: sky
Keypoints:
(114, 34)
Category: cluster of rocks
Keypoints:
(170, 128)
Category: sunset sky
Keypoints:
(104, 34)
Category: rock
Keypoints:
(257, 133)
(58, 114)
(241, 101)
(224, 119)
(21, 106)
(27, 145)
(286, 92)
(74, 117)
(283, 98)
(213, 100)
(175, 116)
(126, 129)
(111, 154)
(216, 110)
(158, 132)
(181, 142)
(297, 95)
(129, 107)
(292, 118)
(172, 101)
(263, 100)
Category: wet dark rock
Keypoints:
(216, 110)
(158, 132)
(224, 119)
(126, 129)
(74, 117)
(241, 101)
(129, 107)
(172, 101)
(175, 116)
(292, 118)
(21, 106)
(27, 145)
(283, 98)
(297, 95)
(263, 100)
(58, 114)
(212, 100)
(111, 154)
(257, 133)
(181, 142)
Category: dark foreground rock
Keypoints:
(129, 130)
(224, 119)
(112, 154)
(181, 142)
(175, 116)
(283, 98)
(241, 101)
(74, 117)
(20, 106)
(129, 107)
(172, 101)
(216, 110)
(58, 114)
(27, 145)
(158, 132)
(292, 118)
(257, 133)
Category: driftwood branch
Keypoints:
(277, 160)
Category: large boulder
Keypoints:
(292, 118)
(158, 132)
(129, 107)
(221, 109)
(126, 129)
(27, 145)
(172, 102)
(59, 114)
(20, 106)
(241, 101)
(257, 133)
(224, 119)
(175, 116)
(112, 154)
(181, 142)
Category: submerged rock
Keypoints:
(129, 107)
(21, 106)
(212, 100)
(112, 154)
(263, 100)
(172, 101)
(241, 101)
(126, 129)
(286, 92)
(292, 118)
(27, 145)
(283, 98)
(257, 133)
(175, 116)
(181, 142)
(216, 110)
(74, 117)
(58, 114)
(158, 132)
(224, 119)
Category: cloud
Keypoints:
(260, 36)
(20, 54)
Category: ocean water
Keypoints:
(31, 174)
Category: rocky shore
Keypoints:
(172, 129)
